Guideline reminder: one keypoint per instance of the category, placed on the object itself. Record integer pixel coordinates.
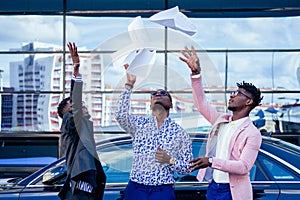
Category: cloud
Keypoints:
(31, 28)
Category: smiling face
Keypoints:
(161, 97)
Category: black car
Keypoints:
(275, 175)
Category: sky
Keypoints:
(229, 33)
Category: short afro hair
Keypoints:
(61, 106)
(254, 91)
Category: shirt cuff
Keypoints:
(196, 75)
(77, 78)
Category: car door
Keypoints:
(283, 178)
(38, 190)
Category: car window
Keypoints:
(277, 171)
(257, 173)
(116, 161)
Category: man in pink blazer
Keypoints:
(233, 141)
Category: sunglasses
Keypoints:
(161, 92)
(236, 93)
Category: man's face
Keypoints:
(67, 107)
(239, 100)
(161, 97)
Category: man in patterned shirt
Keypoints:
(160, 146)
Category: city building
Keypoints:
(40, 84)
(6, 108)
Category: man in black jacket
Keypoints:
(85, 176)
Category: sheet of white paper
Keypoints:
(137, 31)
(131, 57)
(174, 19)
(140, 61)
(136, 24)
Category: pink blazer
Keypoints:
(243, 147)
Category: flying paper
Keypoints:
(140, 61)
(137, 31)
(174, 19)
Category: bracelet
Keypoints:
(129, 85)
(76, 64)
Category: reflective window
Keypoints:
(36, 67)
(116, 161)
(276, 170)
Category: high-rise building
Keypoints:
(6, 109)
(39, 84)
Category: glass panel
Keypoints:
(276, 170)
(97, 32)
(16, 30)
(30, 112)
(116, 161)
(266, 70)
(247, 33)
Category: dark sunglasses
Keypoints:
(161, 92)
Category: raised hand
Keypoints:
(74, 54)
(131, 78)
(75, 57)
(191, 59)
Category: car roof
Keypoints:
(281, 143)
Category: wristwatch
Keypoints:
(210, 160)
(172, 161)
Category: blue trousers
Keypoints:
(218, 191)
(136, 191)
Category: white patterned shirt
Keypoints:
(171, 137)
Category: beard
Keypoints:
(231, 108)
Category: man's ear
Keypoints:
(249, 102)
(171, 105)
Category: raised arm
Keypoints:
(191, 59)
(122, 114)
(75, 57)
(76, 86)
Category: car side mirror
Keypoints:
(54, 174)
